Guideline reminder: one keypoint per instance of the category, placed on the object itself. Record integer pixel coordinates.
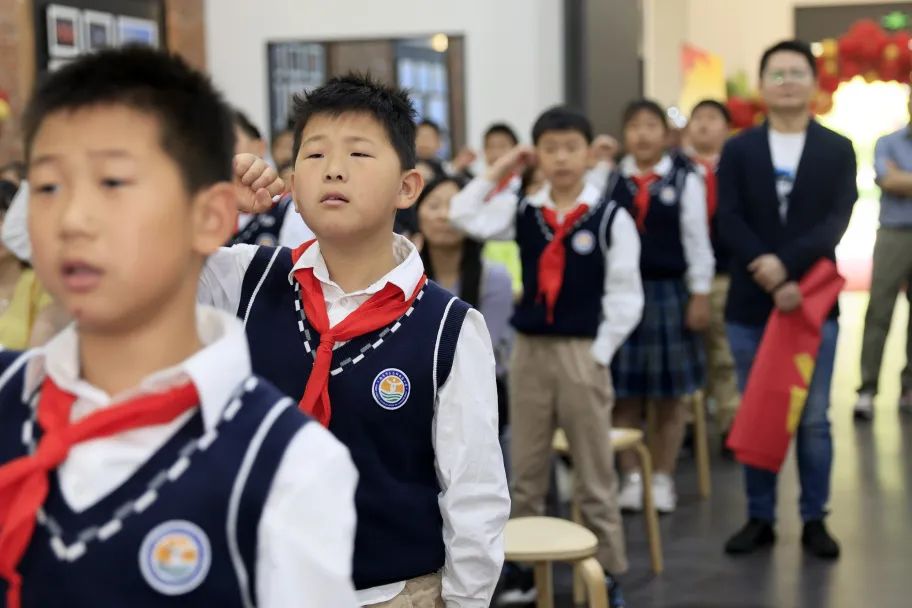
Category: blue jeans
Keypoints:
(814, 441)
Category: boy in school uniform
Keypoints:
(143, 463)
(401, 371)
(707, 131)
(582, 297)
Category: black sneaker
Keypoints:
(518, 585)
(818, 541)
(755, 534)
(615, 597)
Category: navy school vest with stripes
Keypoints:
(264, 228)
(578, 310)
(383, 389)
(181, 531)
(661, 248)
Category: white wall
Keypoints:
(514, 48)
(737, 30)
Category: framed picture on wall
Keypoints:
(98, 30)
(63, 31)
(131, 30)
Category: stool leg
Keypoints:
(579, 589)
(649, 511)
(701, 445)
(544, 585)
(591, 572)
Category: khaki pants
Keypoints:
(892, 268)
(421, 592)
(721, 380)
(556, 382)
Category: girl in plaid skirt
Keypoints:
(662, 361)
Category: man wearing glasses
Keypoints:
(786, 192)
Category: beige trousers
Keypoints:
(421, 592)
(555, 382)
(721, 381)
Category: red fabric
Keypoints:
(781, 373)
(500, 187)
(554, 258)
(641, 200)
(24, 481)
(712, 189)
(380, 310)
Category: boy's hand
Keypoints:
(511, 162)
(257, 182)
(462, 161)
(698, 313)
(605, 148)
(788, 297)
(768, 272)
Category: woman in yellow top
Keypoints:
(26, 315)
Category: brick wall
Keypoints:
(186, 34)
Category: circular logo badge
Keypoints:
(267, 221)
(266, 240)
(391, 389)
(175, 557)
(583, 242)
(668, 195)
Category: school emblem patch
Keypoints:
(583, 242)
(668, 195)
(175, 557)
(266, 240)
(391, 389)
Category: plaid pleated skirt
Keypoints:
(661, 359)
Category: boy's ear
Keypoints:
(410, 190)
(215, 217)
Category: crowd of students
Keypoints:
(319, 402)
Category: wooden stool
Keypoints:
(543, 540)
(622, 440)
(701, 440)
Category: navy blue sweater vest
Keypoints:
(578, 310)
(383, 388)
(264, 228)
(661, 248)
(182, 531)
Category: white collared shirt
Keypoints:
(622, 296)
(306, 531)
(474, 499)
(701, 263)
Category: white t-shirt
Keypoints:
(786, 149)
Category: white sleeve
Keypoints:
(493, 219)
(474, 499)
(306, 535)
(222, 277)
(294, 231)
(622, 300)
(598, 175)
(701, 264)
(15, 225)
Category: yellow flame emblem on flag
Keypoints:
(805, 364)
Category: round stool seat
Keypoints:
(538, 539)
(621, 439)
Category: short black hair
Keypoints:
(791, 46)
(502, 128)
(244, 124)
(715, 105)
(195, 123)
(427, 122)
(644, 105)
(561, 118)
(390, 106)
